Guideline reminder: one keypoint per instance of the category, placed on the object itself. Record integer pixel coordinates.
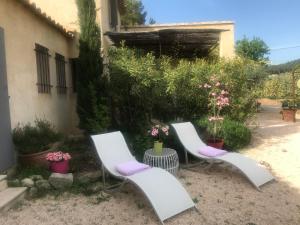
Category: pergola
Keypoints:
(181, 42)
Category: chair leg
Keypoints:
(186, 157)
(111, 187)
(103, 175)
(197, 210)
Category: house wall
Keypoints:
(22, 30)
(226, 45)
(105, 26)
(63, 11)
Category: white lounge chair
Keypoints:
(165, 193)
(191, 142)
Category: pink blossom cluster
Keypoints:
(222, 99)
(57, 156)
(157, 131)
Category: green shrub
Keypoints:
(32, 139)
(138, 143)
(235, 134)
(143, 87)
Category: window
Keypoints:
(60, 74)
(113, 14)
(43, 71)
(74, 71)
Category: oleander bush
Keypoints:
(144, 87)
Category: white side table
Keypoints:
(168, 160)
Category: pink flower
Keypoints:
(57, 156)
(165, 129)
(213, 94)
(154, 131)
(218, 84)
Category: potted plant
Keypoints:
(289, 108)
(158, 132)
(59, 162)
(217, 100)
(33, 142)
(288, 111)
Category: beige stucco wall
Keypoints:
(226, 45)
(22, 30)
(104, 21)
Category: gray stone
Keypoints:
(33, 192)
(95, 187)
(14, 183)
(89, 177)
(27, 182)
(36, 177)
(42, 185)
(61, 181)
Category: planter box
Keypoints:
(289, 115)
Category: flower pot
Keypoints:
(216, 143)
(59, 167)
(34, 159)
(158, 147)
(289, 115)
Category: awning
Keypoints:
(184, 42)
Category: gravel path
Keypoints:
(224, 196)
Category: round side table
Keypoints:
(168, 160)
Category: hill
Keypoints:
(282, 68)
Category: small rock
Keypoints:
(42, 185)
(27, 182)
(36, 177)
(89, 177)
(61, 181)
(95, 187)
(33, 192)
(14, 183)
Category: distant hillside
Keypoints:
(282, 68)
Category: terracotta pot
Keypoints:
(289, 115)
(216, 143)
(37, 159)
(59, 167)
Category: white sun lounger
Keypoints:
(191, 142)
(163, 190)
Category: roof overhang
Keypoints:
(186, 41)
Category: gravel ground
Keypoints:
(224, 196)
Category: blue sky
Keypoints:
(277, 22)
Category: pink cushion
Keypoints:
(131, 167)
(211, 151)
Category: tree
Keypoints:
(91, 101)
(255, 49)
(152, 21)
(134, 13)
